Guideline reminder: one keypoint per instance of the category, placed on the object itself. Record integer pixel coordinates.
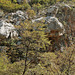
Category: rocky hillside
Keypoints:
(37, 37)
(59, 20)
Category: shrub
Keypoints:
(9, 6)
(30, 13)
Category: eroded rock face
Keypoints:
(7, 30)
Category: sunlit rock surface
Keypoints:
(56, 28)
(7, 30)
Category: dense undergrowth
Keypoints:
(46, 63)
(12, 5)
(30, 51)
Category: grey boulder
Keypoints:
(56, 28)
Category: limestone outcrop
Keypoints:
(7, 30)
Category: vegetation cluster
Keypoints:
(12, 5)
(29, 53)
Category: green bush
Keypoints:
(15, 1)
(9, 6)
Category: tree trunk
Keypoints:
(25, 67)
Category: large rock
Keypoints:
(56, 28)
(7, 30)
